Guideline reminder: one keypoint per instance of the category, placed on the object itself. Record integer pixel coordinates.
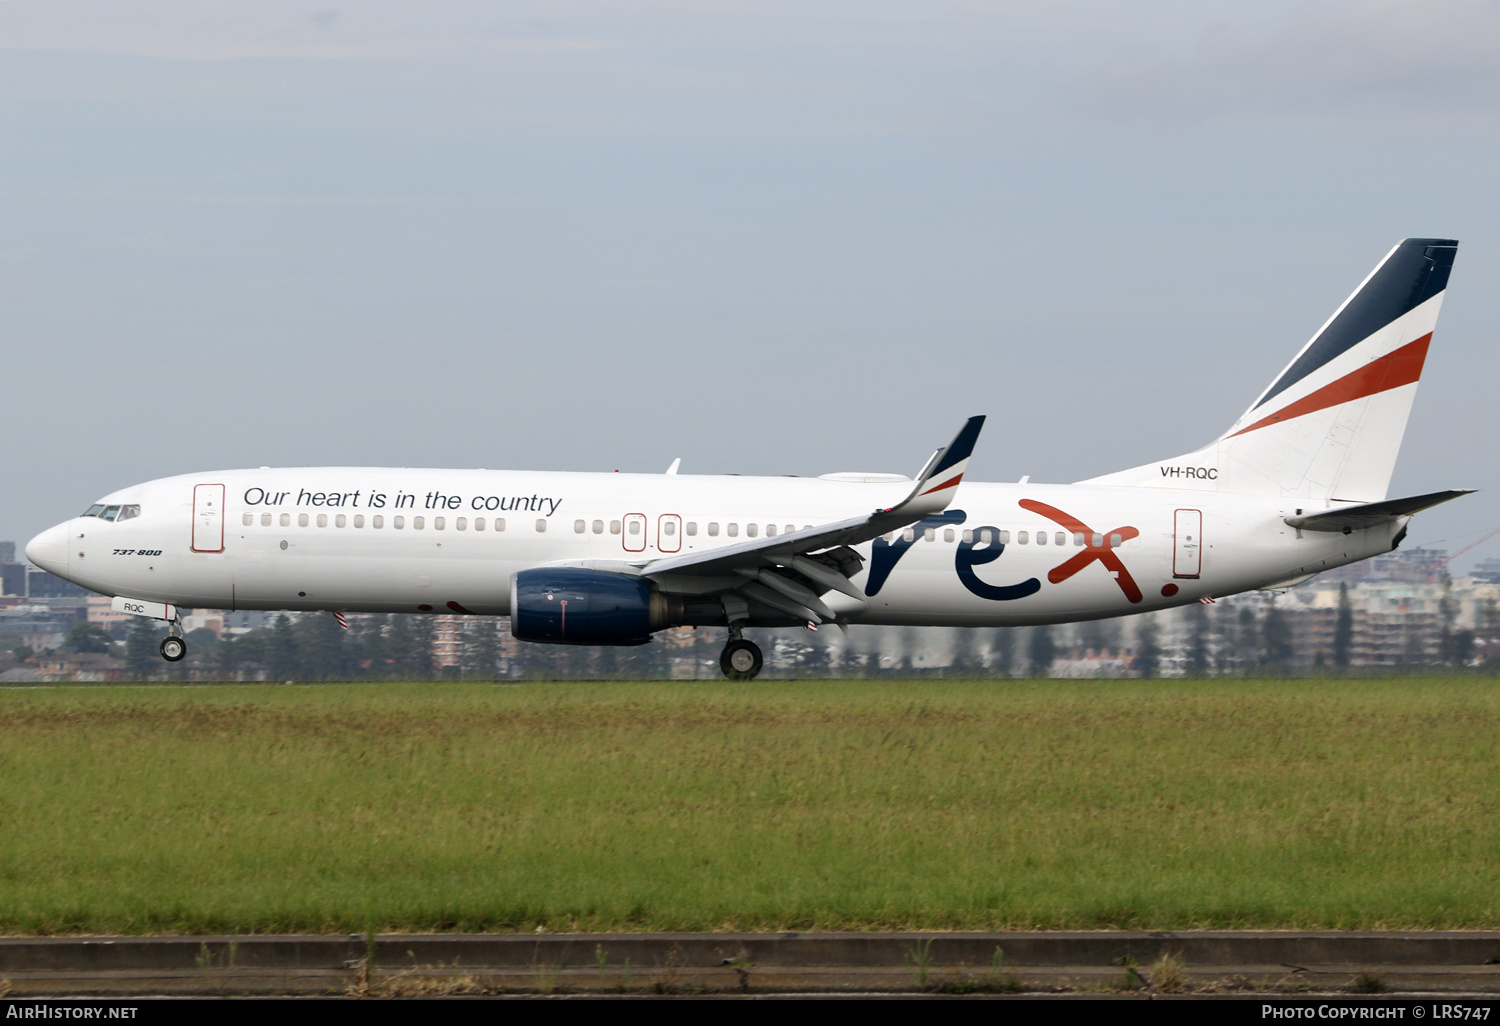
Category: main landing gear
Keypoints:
(741, 659)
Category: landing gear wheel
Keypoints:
(173, 649)
(741, 660)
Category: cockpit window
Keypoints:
(104, 512)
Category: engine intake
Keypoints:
(573, 606)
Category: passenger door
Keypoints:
(208, 518)
(1187, 550)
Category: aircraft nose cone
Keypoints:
(49, 550)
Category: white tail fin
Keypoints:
(1330, 425)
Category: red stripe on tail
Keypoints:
(1392, 370)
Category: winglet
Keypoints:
(938, 481)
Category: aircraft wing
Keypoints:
(1368, 514)
(788, 572)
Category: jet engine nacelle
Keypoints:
(572, 606)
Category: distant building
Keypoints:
(1487, 571)
(1412, 566)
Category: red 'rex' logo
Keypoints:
(1103, 552)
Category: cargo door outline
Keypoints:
(633, 542)
(1187, 543)
(208, 518)
(669, 533)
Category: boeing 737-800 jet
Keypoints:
(1295, 486)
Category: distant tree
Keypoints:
(1343, 629)
(1462, 647)
(1042, 650)
(1276, 640)
(1099, 636)
(369, 647)
(812, 658)
(87, 637)
(399, 646)
(1147, 647)
(481, 650)
(965, 662)
(1198, 662)
(423, 636)
(322, 648)
(142, 652)
(1002, 651)
(907, 644)
(1448, 613)
(21, 653)
(203, 649)
(281, 650)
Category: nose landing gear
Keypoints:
(741, 659)
(173, 646)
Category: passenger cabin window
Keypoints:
(499, 523)
(770, 530)
(929, 533)
(1041, 537)
(265, 520)
(1077, 538)
(377, 522)
(669, 528)
(1005, 538)
(635, 527)
(541, 526)
(248, 519)
(968, 537)
(713, 528)
(598, 527)
(461, 524)
(733, 530)
(438, 523)
(301, 519)
(359, 520)
(692, 528)
(340, 520)
(1060, 538)
(752, 530)
(322, 519)
(909, 534)
(579, 526)
(398, 522)
(1115, 541)
(417, 523)
(614, 527)
(947, 534)
(1021, 537)
(286, 520)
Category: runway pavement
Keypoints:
(1208, 962)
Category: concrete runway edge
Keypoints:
(1206, 962)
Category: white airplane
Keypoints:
(1297, 485)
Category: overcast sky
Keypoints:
(765, 237)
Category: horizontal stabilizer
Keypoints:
(1352, 518)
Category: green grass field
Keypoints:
(695, 806)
